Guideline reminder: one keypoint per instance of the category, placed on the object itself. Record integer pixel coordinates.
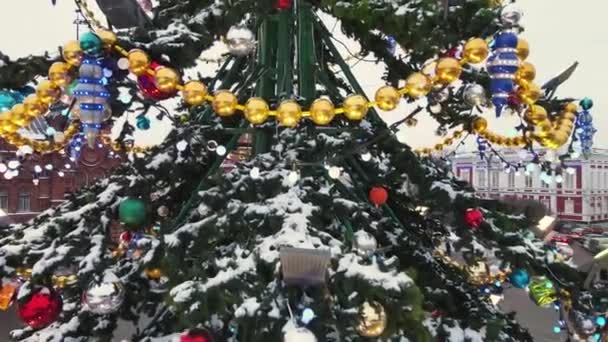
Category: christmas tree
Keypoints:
(307, 222)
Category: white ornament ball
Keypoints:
(240, 41)
(511, 15)
(365, 244)
(299, 335)
(474, 95)
(104, 297)
(163, 211)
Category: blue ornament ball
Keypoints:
(600, 321)
(520, 278)
(506, 39)
(586, 103)
(143, 123)
(91, 44)
(7, 101)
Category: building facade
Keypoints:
(581, 195)
(43, 181)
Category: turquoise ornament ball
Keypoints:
(7, 101)
(586, 103)
(143, 123)
(91, 44)
(519, 278)
(132, 212)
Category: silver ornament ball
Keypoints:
(441, 131)
(365, 243)
(511, 15)
(240, 41)
(299, 335)
(163, 211)
(104, 297)
(474, 95)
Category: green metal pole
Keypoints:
(284, 64)
(306, 52)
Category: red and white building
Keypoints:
(581, 196)
(26, 195)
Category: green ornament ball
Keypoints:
(586, 103)
(184, 118)
(91, 44)
(132, 212)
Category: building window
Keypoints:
(511, 179)
(547, 203)
(544, 183)
(597, 179)
(481, 178)
(605, 179)
(570, 180)
(4, 200)
(24, 202)
(529, 182)
(495, 179)
(464, 175)
(569, 206)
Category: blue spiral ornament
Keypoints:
(92, 97)
(584, 128)
(502, 66)
(482, 146)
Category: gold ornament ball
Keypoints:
(47, 92)
(519, 141)
(529, 93)
(107, 37)
(439, 147)
(72, 53)
(571, 107)
(448, 70)
(457, 134)
(58, 74)
(569, 116)
(411, 122)
(154, 273)
(18, 116)
(448, 141)
(224, 103)
(418, 85)
(322, 111)
(535, 115)
(194, 93)
(525, 74)
(480, 125)
(355, 107)
(289, 113)
(8, 127)
(139, 62)
(476, 50)
(166, 79)
(256, 110)
(33, 106)
(523, 48)
(372, 318)
(387, 98)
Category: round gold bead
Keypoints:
(166, 79)
(535, 115)
(387, 98)
(480, 125)
(322, 112)
(525, 74)
(107, 37)
(476, 50)
(194, 93)
(58, 74)
(448, 70)
(523, 48)
(355, 107)
(224, 103)
(289, 113)
(256, 110)
(33, 106)
(418, 85)
(72, 53)
(530, 93)
(139, 62)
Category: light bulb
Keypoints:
(67, 166)
(221, 150)
(559, 179)
(49, 167)
(37, 169)
(60, 173)
(293, 177)
(571, 170)
(334, 172)
(366, 156)
(255, 173)
(182, 145)
(36, 181)
(13, 164)
(3, 168)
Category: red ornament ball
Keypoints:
(126, 236)
(147, 85)
(41, 309)
(283, 4)
(196, 336)
(473, 218)
(378, 195)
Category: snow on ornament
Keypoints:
(473, 218)
(41, 308)
(240, 41)
(378, 195)
(104, 297)
(198, 335)
(365, 244)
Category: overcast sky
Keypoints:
(559, 31)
